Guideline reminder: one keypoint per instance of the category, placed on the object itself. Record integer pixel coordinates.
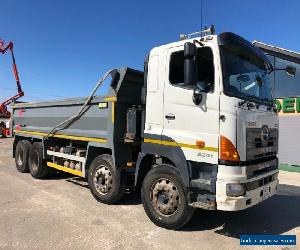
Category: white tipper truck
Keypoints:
(196, 129)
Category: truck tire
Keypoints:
(21, 156)
(105, 181)
(38, 168)
(165, 198)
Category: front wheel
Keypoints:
(165, 199)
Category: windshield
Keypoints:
(245, 76)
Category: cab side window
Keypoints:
(206, 72)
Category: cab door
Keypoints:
(195, 128)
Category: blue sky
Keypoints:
(63, 47)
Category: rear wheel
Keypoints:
(105, 181)
(165, 199)
(21, 156)
(38, 168)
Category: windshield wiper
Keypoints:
(256, 102)
(249, 103)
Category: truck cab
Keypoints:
(209, 112)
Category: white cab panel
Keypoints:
(192, 123)
(154, 100)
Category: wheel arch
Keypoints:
(21, 138)
(173, 156)
(93, 152)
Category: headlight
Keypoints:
(235, 189)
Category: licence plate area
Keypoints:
(261, 194)
(266, 192)
(250, 199)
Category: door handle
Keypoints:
(170, 116)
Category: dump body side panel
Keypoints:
(102, 125)
(42, 118)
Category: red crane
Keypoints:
(4, 113)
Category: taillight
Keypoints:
(228, 151)
(7, 132)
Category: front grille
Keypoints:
(261, 168)
(258, 148)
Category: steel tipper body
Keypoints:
(196, 129)
(101, 127)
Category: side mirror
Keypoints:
(197, 94)
(290, 70)
(190, 64)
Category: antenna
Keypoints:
(203, 14)
(201, 23)
(206, 10)
(204, 31)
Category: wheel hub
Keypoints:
(165, 197)
(35, 161)
(103, 180)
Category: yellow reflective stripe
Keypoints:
(68, 170)
(113, 112)
(183, 145)
(111, 98)
(71, 137)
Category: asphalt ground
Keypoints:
(60, 213)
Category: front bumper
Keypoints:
(258, 188)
